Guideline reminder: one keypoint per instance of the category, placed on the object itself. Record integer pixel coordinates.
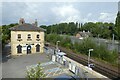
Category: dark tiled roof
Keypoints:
(26, 27)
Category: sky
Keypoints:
(48, 13)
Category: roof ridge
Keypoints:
(27, 27)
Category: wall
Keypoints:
(84, 70)
(24, 41)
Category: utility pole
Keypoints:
(57, 46)
(113, 42)
(89, 57)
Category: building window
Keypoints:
(38, 36)
(19, 36)
(29, 36)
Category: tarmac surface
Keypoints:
(16, 66)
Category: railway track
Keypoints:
(103, 69)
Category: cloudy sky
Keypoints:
(55, 12)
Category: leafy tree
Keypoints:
(0, 33)
(117, 25)
(62, 28)
(6, 33)
(35, 73)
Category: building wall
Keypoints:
(83, 69)
(24, 42)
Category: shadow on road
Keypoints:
(5, 58)
(6, 53)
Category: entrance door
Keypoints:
(19, 49)
(28, 49)
(37, 48)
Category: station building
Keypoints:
(27, 38)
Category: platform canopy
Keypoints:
(61, 53)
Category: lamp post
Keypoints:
(57, 46)
(113, 43)
(89, 57)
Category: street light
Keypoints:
(89, 57)
(57, 45)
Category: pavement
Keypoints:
(16, 66)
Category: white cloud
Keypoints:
(52, 13)
(67, 13)
(71, 19)
(107, 17)
(31, 11)
(104, 16)
(89, 20)
(65, 10)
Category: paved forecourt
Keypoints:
(16, 66)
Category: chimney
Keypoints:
(21, 21)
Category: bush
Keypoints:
(35, 73)
(66, 42)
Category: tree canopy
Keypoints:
(117, 26)
(104, 30)
(6, 33)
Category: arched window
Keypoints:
(37, 48)
(38, 36)
(28, 49)
(19, 36)
(29, 36)
(19, 49)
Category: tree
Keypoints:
(6, 33)
(0, 33)
(117, 25)
(35, 73)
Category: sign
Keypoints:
(53, 58)
(24, 48)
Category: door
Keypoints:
(28, 49)
(19, 49)
(37, 48)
